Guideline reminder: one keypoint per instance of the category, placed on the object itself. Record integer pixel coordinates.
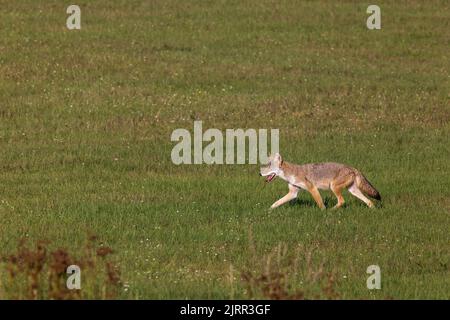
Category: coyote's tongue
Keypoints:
(270, 178)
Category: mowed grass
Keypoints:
(86, 118)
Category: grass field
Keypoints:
(86, 117)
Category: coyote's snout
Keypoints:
(315, 176)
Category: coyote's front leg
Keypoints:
(316, 195)
(292, 194)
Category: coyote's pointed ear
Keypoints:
(277, 157)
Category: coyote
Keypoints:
(315, 176)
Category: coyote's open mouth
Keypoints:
(270, 177)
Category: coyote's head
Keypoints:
(273, 167)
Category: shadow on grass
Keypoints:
(330, 202)
(310, 203)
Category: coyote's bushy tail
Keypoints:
(366, 187)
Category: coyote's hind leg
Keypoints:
(337, 188)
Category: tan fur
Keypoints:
(324, 176)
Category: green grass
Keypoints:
(86, 118)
